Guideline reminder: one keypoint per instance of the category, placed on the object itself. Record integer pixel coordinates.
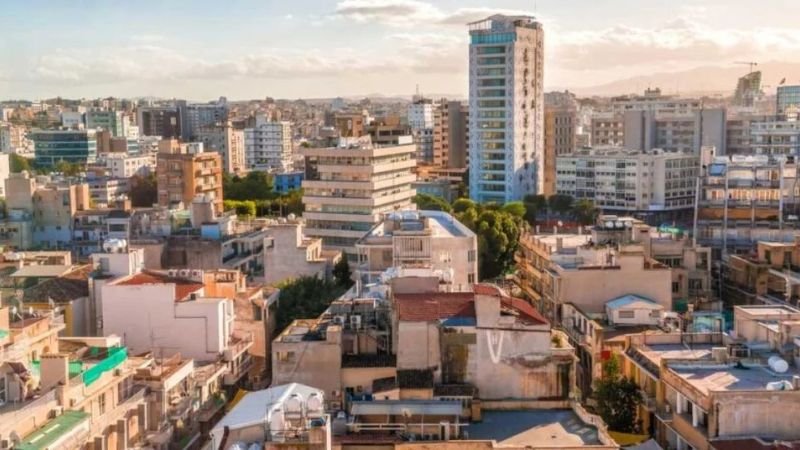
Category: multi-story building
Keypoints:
(349, 124)
(608, 129)
(787, 100)
(655, 183)
(738, 130)
(227, 141)
(421, 119)
(428, 239)
(767, 277)
(772, 137)
(560, 127)
(555, 270)
(74, 146)
(111, 121)
(199, 115)
(5, 171)
(160, 121)
(348, 187)
(719, 391)
(389, 130)
(14, 139)
(286, 181)
(268, 146)
(106, 192)
(745, 199)
(183, 174)
(457, 115)
(121, 165)
(654, 100)
(748, 89)
(506, 104)
(684, 132)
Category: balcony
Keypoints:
(121, 411)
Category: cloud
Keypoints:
(408, 13)
(679, 41)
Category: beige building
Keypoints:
(419, 239)
(348, 187)
(560, 129)
(183, 174)
(292, 255)
(719, 391)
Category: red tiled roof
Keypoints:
(488, 289)
(182, 287)
(526, 310)
(434, 306)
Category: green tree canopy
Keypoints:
(342, 273)
(618, 398)
(498, 231)
(585, 212)
(256, 185)
(560, 203)
(305, 298)
(143, 192)
(243, 208)
(19, 163)
(427, 202)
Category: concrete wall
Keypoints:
(287, 258)
(418, 345)
(313, 363)
(352, 377)
(147, 317)
(609, 283)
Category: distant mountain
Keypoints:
(702, 80)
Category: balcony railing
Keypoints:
(121, 410)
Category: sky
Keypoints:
(245, 49)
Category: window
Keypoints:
(285, 356)
(626, 314)
(676, 287)
(257, 313)
(101, 403)
(3, 391)
(471, 278)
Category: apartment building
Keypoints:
(73, 146)
(389, 130)
(787, 99)
(13, 139)
(160, 121)
(422, 119)
(746, 199)
(720, 391)
(738, 131)
(111, 121)
(421, 239)
(347, 188)
(121, 165)
(607, 129)
(183, 173)
(506, 104)
(675, 132)
(773, 137)
(350, 124)
(555, 269)
(195, 116)
(765, 277)
(560, 129)
(657, 183)
(268, 146)
(226, 140)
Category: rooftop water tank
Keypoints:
(778, 364)
(277, 423)
(314, 405)
(294, 404)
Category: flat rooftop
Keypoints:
(534, 428)
(657, 352)
(439, 224)
(721, 379)
(768, 310)
(567, 240)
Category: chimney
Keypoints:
(54, 371)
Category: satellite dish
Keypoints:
(560, 223)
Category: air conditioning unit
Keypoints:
(196, 274)
(339, 320)
(184, 273)
(355, 321)
(55, 412)
(172, 273)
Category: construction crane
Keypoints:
(752, 64)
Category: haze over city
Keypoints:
(325, 48)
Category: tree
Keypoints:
(342, 273)
(256, 185)
(144, 192)
(19, 163)
(534, 206)
(303, 298)
(67, 168)
(463, 204)
(428, 202)
(585, 212)
(516, 209)
(618, 398)
(245, 208)
(560, 203)
(498, 231)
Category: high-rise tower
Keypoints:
(506, 103)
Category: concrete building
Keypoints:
(5, 171)
(675, 132)
(767, 277)
(773, 137)
(555, 269)
(288, 181)
(348, 187)
(506, 104)
(608, 129)
(720, 391)
(54, 209)
(198, 115)
(653, 100)
(738, 131)
(121, 165)
(111, 121)
(74, 146)
(227, 141)
(183, 174)
(177, 312)
(350, 125)
(268, 146)
(107, 192)
(160, 121)
(745, 199)
(389, 130)
(560, 128)
(430, 239)
(457, 140)
(655, 183)
(14, 139)
(292, 255)
(421, 120)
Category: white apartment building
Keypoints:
(432, 240)
(348, 187)
(506, 104)
(121, 165)
(617, 179)
(421, 119)
(775, 137)
(268, 145)
(5, 170)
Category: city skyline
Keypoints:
(245, 49)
